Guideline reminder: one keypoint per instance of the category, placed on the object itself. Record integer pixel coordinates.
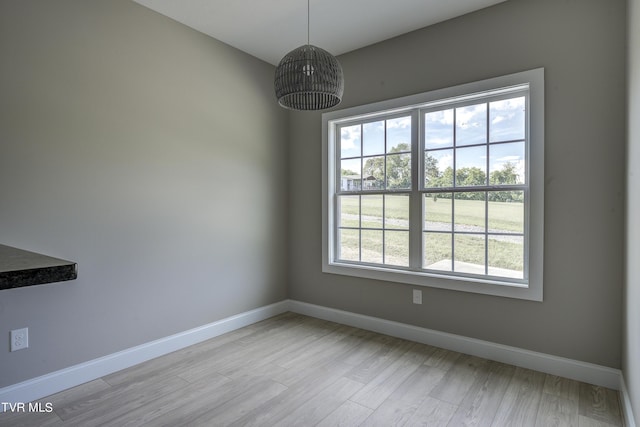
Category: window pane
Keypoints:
(372, 246)
(350, 141)
(349, 249)
(373, 138)
(399, 171)
(471, 166)
(350, 175)
(469, 253)
(506, 212)
(396, 212)
(437, 211)
(396, 248)
(437, 251)
(506, 256)
(372, 211)
(399, 135)
(471, 125)
(469, 212)
(438, 168)
(373, 173)
(349, 211)
(438, 129)
(506, 119)
(507, 163)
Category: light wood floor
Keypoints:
(293, 370)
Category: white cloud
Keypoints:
(350, 137)
(471, 116)
(439, 141)
(399, 123)
(445, 161)
(444, 117)
(508, 159)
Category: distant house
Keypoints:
(350, 182)
(353, 183)
(370, 183)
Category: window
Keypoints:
(441, 189)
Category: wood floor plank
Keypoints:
(562, 387)
(293, 370)
(183, 358)
(361, 347)
(384, 384)
(79, 392)
(328, 400)
(432, 412)
(103, 406)
(555, 411)
(265, 356)
(273, 327)
(369, 368)
(187, 400)
(349, 414)
(331, 350)
(306, 388)
(442, 359)
(30, 419)
(590, 422)
(481, 402)
(321, 348)
(200, 404)
(400, 406)
(521, 400)
(599, 403)
(459, 378)
(212, 362)
(238, 406)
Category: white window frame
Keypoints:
(531, 289)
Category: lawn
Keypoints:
(389, 242)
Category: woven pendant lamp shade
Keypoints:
(309, 78)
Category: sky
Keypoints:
(506, 122)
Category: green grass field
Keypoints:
(392, 215)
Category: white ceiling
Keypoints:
(268, 29)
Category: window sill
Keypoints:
(441, 281)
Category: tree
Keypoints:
(432, 174)
(398, 168)
(507, 175)
(347, 172)
(470, 176)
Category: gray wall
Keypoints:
(155, 157)
(581, 44)
(631, 347)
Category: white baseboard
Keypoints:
(72, 376)
(568, 368)
(625, 402)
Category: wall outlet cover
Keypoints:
(417, 296)
(19, 339)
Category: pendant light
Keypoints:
(309, 78)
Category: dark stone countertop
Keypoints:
(20, 268)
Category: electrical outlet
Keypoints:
(417, 296)
(19, 339)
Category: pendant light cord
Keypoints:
(308, 19)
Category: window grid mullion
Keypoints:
(360, 195)
(453, 195)
(415, 201)
(360, 228)
(384, 229)
(486, 199)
